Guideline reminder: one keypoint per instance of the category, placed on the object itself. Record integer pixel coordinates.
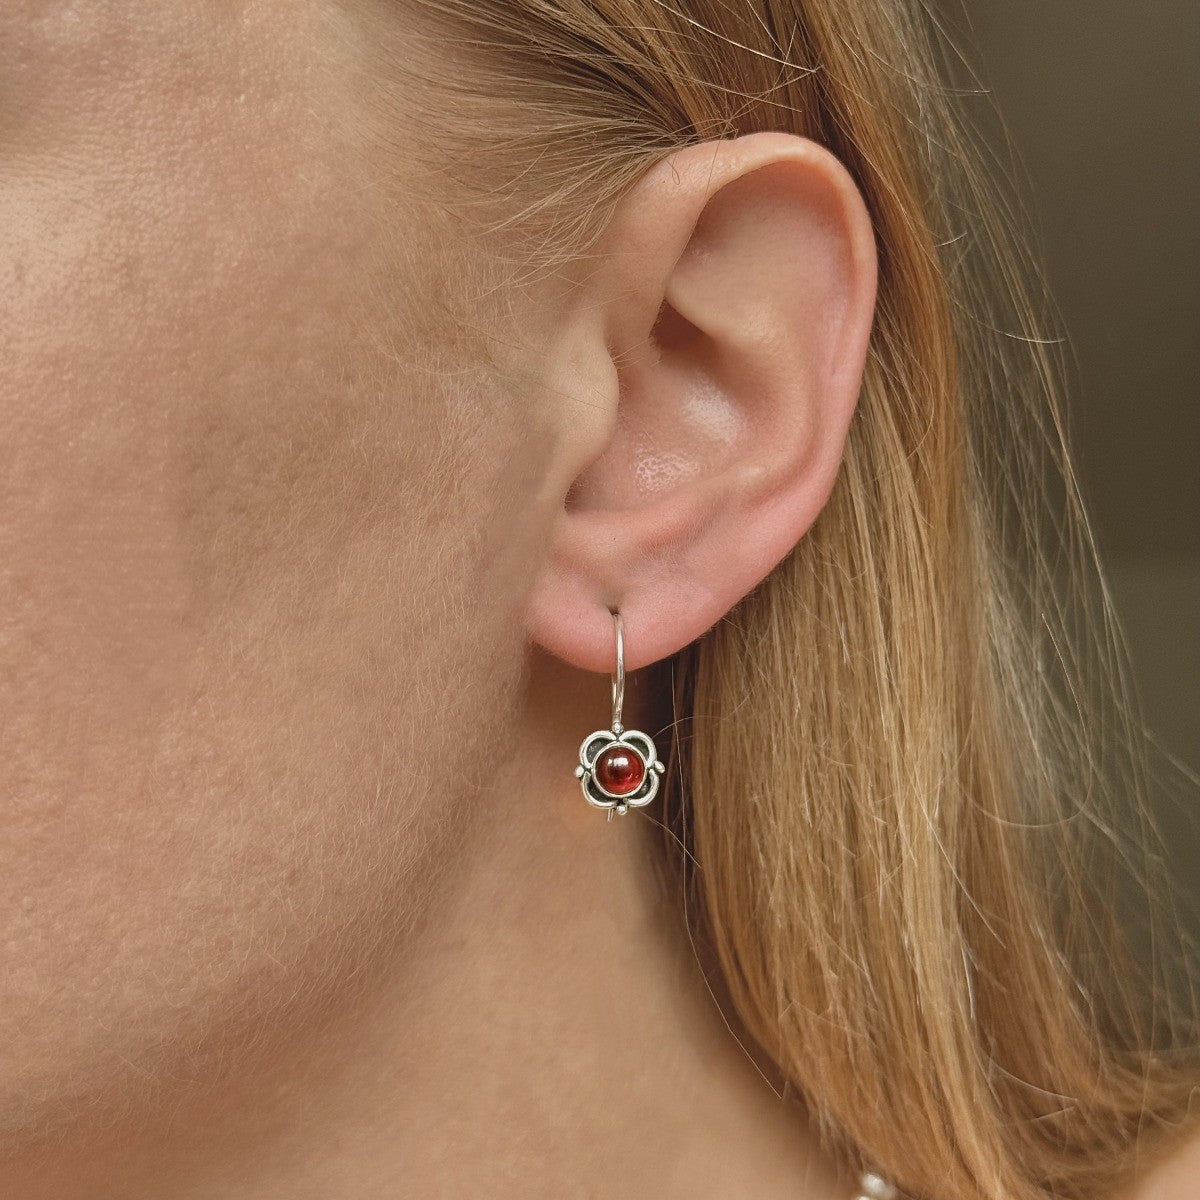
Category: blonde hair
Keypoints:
(907, 779)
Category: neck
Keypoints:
(545, 1031)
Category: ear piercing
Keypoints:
(618, 767)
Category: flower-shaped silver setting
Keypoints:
(642, 745)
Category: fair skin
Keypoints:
(300, 632)
(300, 637)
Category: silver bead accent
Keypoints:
(875, 1187)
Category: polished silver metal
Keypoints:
(641, 744)
(618, 680)
(875, 1187)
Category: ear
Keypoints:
(709, 366)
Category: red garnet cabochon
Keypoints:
(620, 770)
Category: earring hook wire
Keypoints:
(618, 680)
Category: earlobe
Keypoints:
(726, 342)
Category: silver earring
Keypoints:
(618, 767)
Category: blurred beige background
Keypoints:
(1101, 100)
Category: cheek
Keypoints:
(252, 622)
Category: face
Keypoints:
(260, 542)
